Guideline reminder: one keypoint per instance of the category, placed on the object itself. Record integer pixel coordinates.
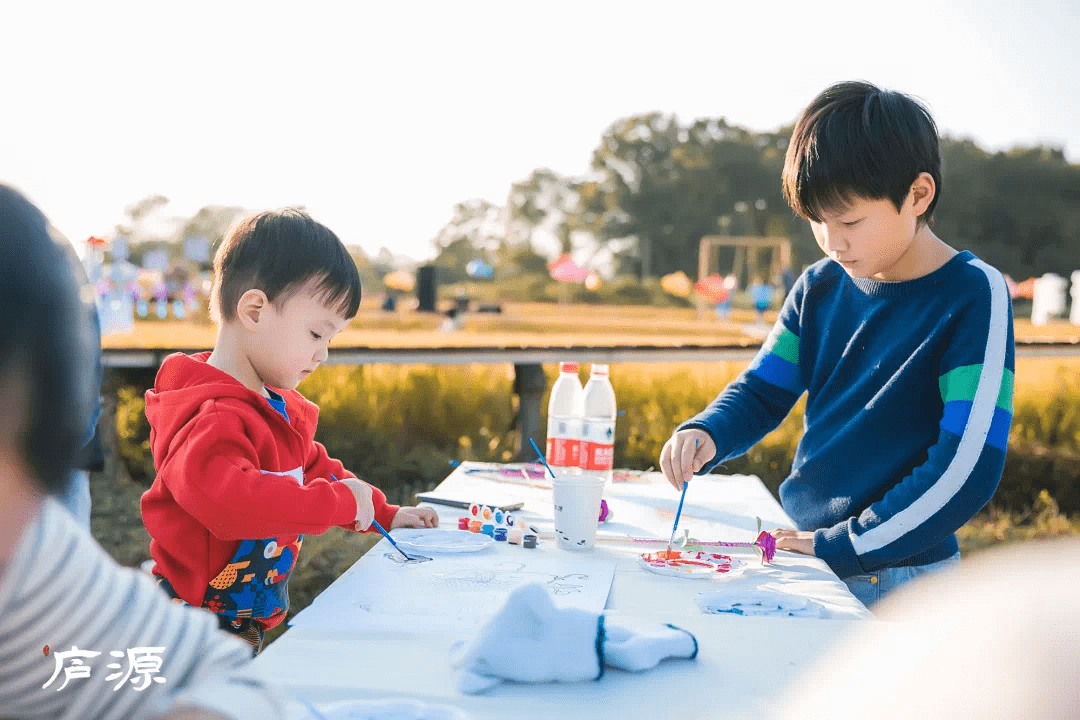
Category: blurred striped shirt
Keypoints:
(64, 592)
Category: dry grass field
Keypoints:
(525, 324)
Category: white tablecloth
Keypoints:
(742, 665)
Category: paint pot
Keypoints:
(529, 541)
(486, 513)
(488, 529)
(500, 534)
(463, 523)
(514, 536)
(474, 526)
(499, 517)
(474, 510)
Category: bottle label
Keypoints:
(563, 442)
(598, 445)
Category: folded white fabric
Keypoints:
(643, 649)
(531, 640)
(761, 601)
(388, 710)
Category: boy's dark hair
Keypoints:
(857, 140)
(45, 358)
(279, 252)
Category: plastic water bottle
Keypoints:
(598, 425)
(565, 408)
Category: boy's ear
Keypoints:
(250, 307)
(922, 193)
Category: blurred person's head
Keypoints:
(863, 166)
(284, 286)
(45, 360)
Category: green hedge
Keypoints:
(401, 427)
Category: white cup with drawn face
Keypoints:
(577, 510)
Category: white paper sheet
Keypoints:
(452, 593)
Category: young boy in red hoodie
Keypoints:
(240, 477)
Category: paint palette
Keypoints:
(697, 565)
(440, 541)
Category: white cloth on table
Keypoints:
(760, 601)
(388, 710)
(531, 640)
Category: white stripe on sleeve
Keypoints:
(975, 432)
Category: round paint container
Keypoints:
(500, 534)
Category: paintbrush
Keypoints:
(678, 513)
(531, 442)
(387, 536)
(312, 709)
(384, 533)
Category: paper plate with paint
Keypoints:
(696, 565)
(440, 541)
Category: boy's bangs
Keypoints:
(339, 292)
(835, 169)
(335, 291)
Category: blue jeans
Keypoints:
(76, 497)
(874, 586)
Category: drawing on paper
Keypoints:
(506, 576)
(456, 594)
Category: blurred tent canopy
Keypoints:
(714, 288)
(564, 269)
(677, 284)
(400, 280)
(479, 269)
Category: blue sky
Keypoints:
(378, 117)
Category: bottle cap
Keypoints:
(599, 369)
(567, 367)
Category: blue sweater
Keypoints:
(909, 401)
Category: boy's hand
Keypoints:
(678, 459)
(415, 517)
(365, 510)
(799, 541)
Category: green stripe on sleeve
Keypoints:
(962, 382)
(786, 346)
(1005, 397)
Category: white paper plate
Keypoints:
(440, 541)
(694, 565)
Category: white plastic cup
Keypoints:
(577, 509)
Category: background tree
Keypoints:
(474, 232)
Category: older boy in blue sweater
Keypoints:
(903, 345)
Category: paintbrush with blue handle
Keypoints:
(678, 513)
(387, 536)
(380, 529)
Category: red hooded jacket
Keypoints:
(237, 487)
